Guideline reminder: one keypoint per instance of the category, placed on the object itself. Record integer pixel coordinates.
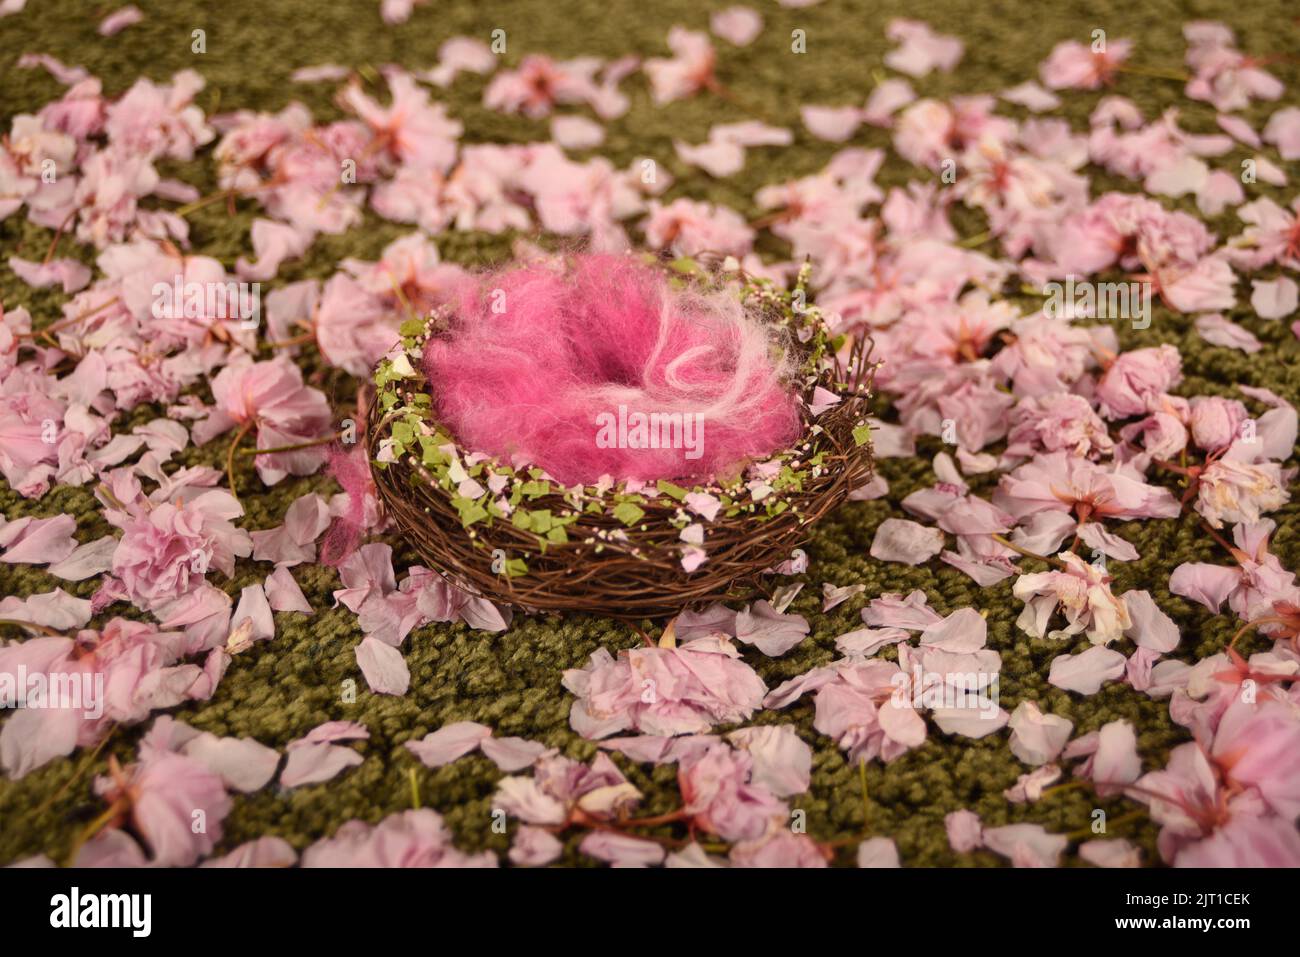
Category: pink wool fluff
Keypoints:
(352, 471)
(538, 360)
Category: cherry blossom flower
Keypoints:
(689, 228)
(406, 839)
(159, 121)
(167, 549)
(1071, 65)
(857, 707)
(270, 399)
(1059, 421)
(920, 49)
(1059, 483)
(1223, 75)
(540, 83)
(718, 795)
(1272, 234)
(134, 666)
(1082, 592)
(411, 131)
(389, 612)
(1048, 355)
(1135, 379)
(1252, 588)
(160, 795)
(1215, 422)
(668, 691)
(562, 790)
(1206, 820)
(107, 194)
(1232, 491)
(362, 308)
(689, 70)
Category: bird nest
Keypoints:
(623, 549)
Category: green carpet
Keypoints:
(281, 689)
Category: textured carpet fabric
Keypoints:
(281, 689)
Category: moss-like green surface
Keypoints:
(283, 688)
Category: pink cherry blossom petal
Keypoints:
(383, 666)
(449, 742)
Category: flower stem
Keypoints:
(323, 440)
(671, 817)
(85, 766)
(58, 234)
(1155, 74)
(64, 323)
(862, 778)
(94, 827)
(206, 201)
(1067, 786)
(1209, 530)
(415, 789)
(301, 340)
(1270, 619)
(1002, 540)
(113, 500)
(230, 458)
(32, 626)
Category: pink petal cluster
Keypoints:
(663, 691)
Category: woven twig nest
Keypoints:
(618, 551)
